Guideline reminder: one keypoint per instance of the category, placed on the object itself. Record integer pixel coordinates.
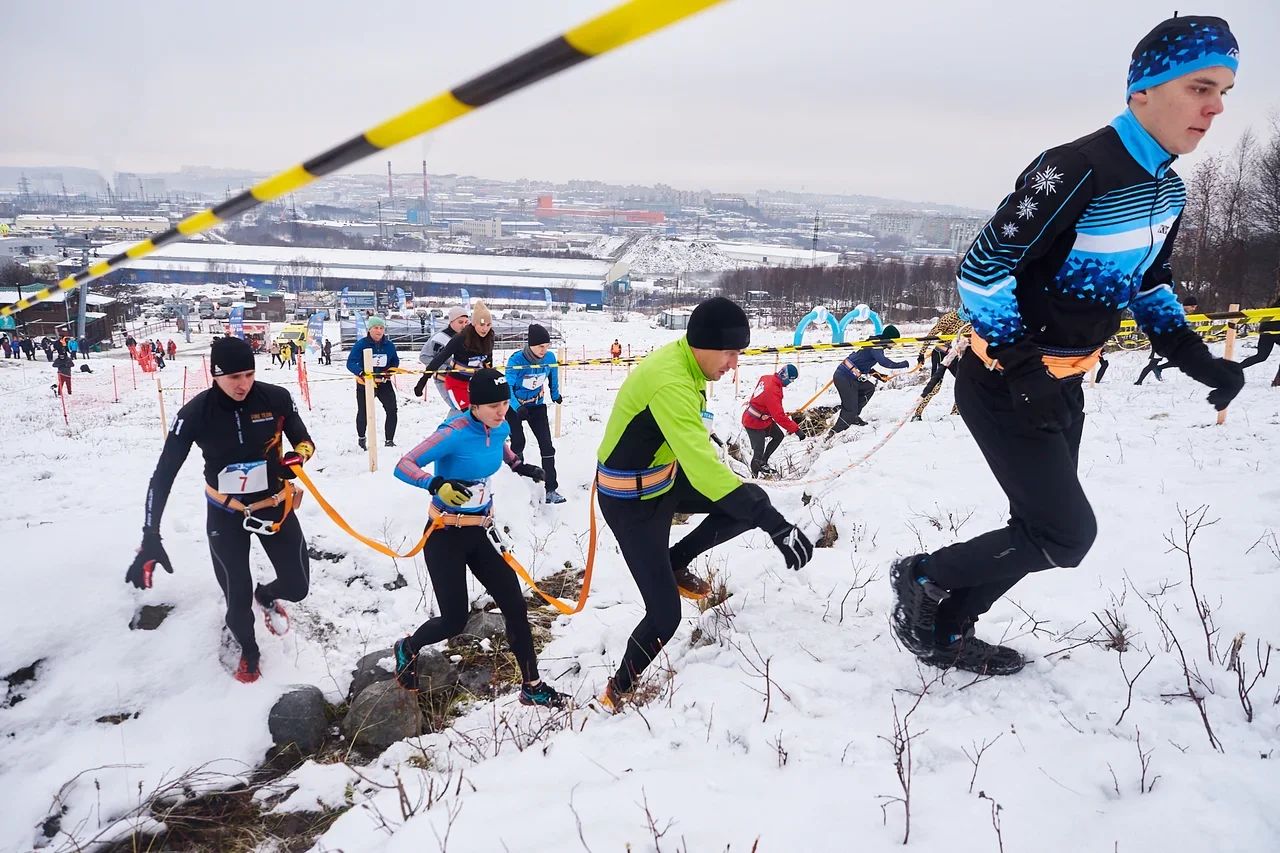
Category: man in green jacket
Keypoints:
(656, 460)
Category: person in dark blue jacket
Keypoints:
(533, 375)
(465, 452)
(856, 381)
(385, 361)
(1087, 232)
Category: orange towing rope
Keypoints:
(438, 523)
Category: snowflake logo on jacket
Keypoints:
(1009, 230)
(1046, 180)
(1027, 208)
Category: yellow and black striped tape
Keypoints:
(623, 24)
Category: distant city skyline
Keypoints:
(934, 105)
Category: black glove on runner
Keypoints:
(533, 472)
(1188, 353)
(1037, 395)
(151, 553)
(795, 546)
(420, 387)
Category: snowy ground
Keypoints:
(722, 757)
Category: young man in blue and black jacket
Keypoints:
(1086, 233)
(534, 376)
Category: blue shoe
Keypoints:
(543, 694)
(554, 497)
(406, 665)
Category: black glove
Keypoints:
(533, 472)
(1187, 351)
(795, 546)
(1037, 395)
(420, 387)
(557, 399)
(149, 554)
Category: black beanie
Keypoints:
(230, 355)
(718, 323)
(488, 386)
(538, 335)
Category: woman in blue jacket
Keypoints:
(533, 374)
(465, 452)
(385, 361)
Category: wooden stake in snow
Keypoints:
(370, 422)
(164, 420)
(1229, 351)
(557, 420)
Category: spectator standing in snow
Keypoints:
(1042, 307)
(385, 361)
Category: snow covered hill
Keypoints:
(771, 724)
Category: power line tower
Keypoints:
(814, 257)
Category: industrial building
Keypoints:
(500, 279)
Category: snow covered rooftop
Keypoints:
(351, 261)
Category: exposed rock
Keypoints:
(299, 717)
(478, 681)
(370, 669)
(485, 625)
(150, 616)
(118, 718)
(398, 583)
(16, 679)
(381, 715)
(435, 673)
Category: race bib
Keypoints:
(379, 359)
(533, 382)
(480, 495)
(243, 478)
(708, 421)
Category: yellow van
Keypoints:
(295, 334)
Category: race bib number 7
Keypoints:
(243, 478)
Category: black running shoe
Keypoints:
(967, 652)
(406, 665)
(362, 443)
(543, 694)
(916, 600)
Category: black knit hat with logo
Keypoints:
(488, 386)
(230, 355)
(720, 324)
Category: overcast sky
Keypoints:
(941, 101)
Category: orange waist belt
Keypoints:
(290, 496)
(441, 518)
(1060, 366)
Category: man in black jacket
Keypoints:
(1086, 233)
(240, 426)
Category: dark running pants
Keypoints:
(854, 394)
(386, 395)
(536, 417)
(1268, 334)
(1050, 521)
(1153, 365)
(229, 548)
(643, 529)
(449, 553)
(764, 442)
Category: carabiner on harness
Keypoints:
(497, 538)
(261, 526)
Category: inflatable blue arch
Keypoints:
(860, 314)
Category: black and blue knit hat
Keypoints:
(1180, 46)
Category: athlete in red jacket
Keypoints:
(765, 419)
